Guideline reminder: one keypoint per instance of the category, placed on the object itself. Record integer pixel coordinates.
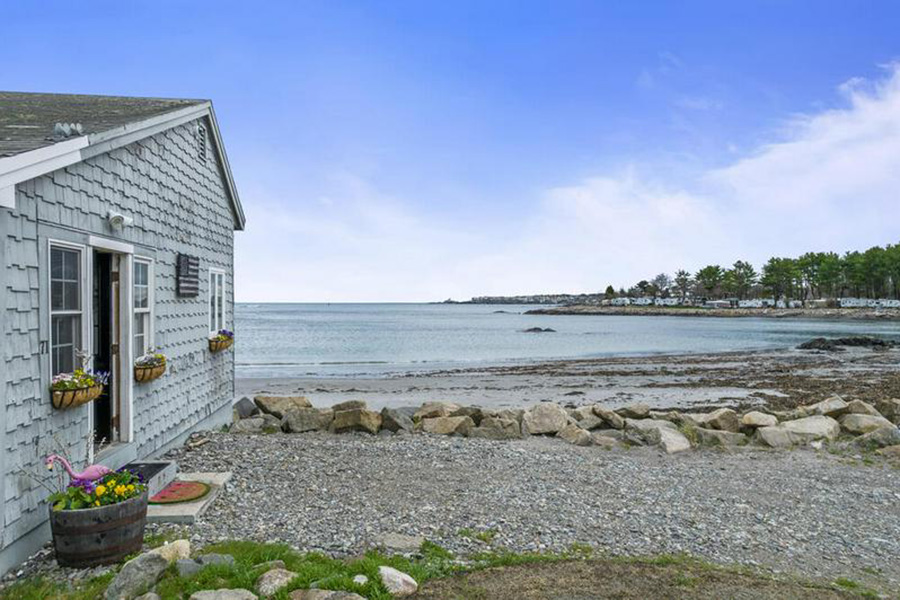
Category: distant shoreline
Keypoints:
(861, 314)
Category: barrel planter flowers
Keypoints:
(68, 390)
(149, 367)
(99, 522)
(221, 341)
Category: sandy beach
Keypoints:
(779, 378)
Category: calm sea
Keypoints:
(326, 340)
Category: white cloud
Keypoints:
(830, 182)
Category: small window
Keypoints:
(201, 142)
(65, 309)
(216, 301)
(143, 307)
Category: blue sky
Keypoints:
(420, 150)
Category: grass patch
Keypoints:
(41, 589)
(485, 536)
(690, 432)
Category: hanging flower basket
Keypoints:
(221, 341)
(149, 367)
(68, 390)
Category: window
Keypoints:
(65, 309)
(216, 301)
(143, 307)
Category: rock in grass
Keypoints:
(575, 435)
(149, 596)
(277, 406)
(395, 420)
(610, 417)
(859, 424)
(715, 437)
(398, 543)
(223, 594)
(299, 420)
(880, 438)
(323, 595)
(137, 576)
(635, 411)
(758, 419)
(177, 550)
(187, 567)
(496, 428)
(398, 583)
(858, 407)
(447, 425)
(273, 580)
(356, 419)
(216, 559)
(544, 419)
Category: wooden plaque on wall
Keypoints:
(188, 268)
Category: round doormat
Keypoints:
(180, 491)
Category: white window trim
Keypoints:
(212, 273)
(85, 312)
(150, 334)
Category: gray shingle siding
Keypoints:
(179, 204)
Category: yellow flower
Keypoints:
(101, 489)
(96, 503)
(131, 488)
(120, 490)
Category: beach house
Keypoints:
(117, 221)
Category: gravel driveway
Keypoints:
(805, 512)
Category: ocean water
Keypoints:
(341, 340)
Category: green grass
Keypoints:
(485, 535)
(41, 589)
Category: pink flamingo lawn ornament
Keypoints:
(91, 473)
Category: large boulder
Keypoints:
(610, 417)
(648, 424)
(251, 425)
(350, 405)
(394, 419)
(716, 437)
(430, 410)
(859, 424)
(858, 407)
(516, 414)
(398, 543)
(356, 419)
(723, 419)
(669, 439)
(277, 406)
(634, 411)
(299, 420)
(137, 576)
(245, 407)
(755, 419)
(774, 436)
(397, 583)
(496, 428)
(889, 409)
(544, 419)
(586, 418)
(273, 580)
(447, 425)
(808, 429)
(831, 407)
(473, 412)
(880, 438)
(574, 434)
(224, 594)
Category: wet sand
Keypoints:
(780, 379)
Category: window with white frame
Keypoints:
(143, 307)
(216, 300)
(66, 311)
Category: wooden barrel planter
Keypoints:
(219, 345)
(75, 397)
(99, 536)
(144, 374)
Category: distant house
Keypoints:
(117, 218)
(667, 301)
(620, 301)
(643, 301)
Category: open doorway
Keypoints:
(107, 338)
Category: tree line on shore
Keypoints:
(874, 273)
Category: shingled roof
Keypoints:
(27, 120)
